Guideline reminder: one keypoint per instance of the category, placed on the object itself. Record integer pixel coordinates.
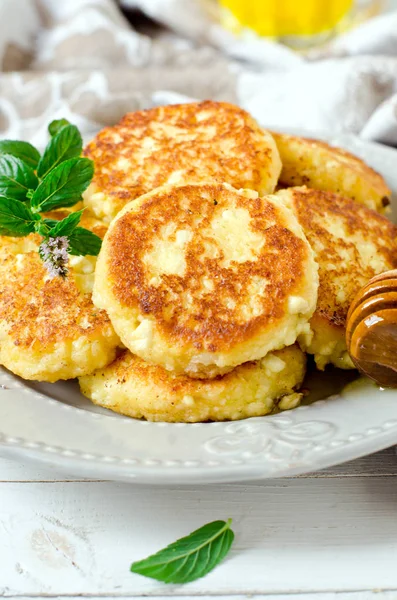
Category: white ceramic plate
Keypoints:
(54, 424)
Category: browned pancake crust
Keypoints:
(135, 388)
(316, 212)
(356, 164)
(208, 323)
(319, 165)
(206, 141)
(41, 311)
(55, 312)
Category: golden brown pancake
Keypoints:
(185, 143)
(137, 389)
(321, 166)
(201, 278)
(49, 328)
(351, 244)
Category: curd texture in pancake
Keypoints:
(137, 389)
(184, 143)
(351, 244)
(320, 166)
(49, 328)
(201, 278)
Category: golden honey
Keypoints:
(286, 17)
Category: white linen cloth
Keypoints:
(84, 60)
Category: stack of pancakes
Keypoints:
(211, 286)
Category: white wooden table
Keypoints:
(329, 535)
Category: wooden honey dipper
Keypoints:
(371, 331)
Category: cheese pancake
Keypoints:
(323, 167)
(201, 278)
(351, 244)
(49, 328)
(137, 389)
(185, 143)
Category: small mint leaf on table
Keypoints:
(22, 150)
(83, 242)
(16, 218)
(55, 126)
(66, 143)
(191, 557)
(67, 225)
(16, 177)
(63, 185)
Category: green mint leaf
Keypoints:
(8, 233)
(83, 242)
(55, 126)
(50, 222)
(15, 218)
(23, 150)
(67, 225)
(16, 178)
(190, 557)
(64, 185)
(41, 228)
(67, 143)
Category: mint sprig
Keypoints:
(55, 126)
(63, 185)
(67, 143)
(67, 225)
(23, 150)
(31, 184)
(16, 177)
(16, 218)
(82, 241)
(191, 557)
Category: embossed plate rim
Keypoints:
(38, 428)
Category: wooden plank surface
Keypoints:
(294, 535)
(328, 535)
(366, 595)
